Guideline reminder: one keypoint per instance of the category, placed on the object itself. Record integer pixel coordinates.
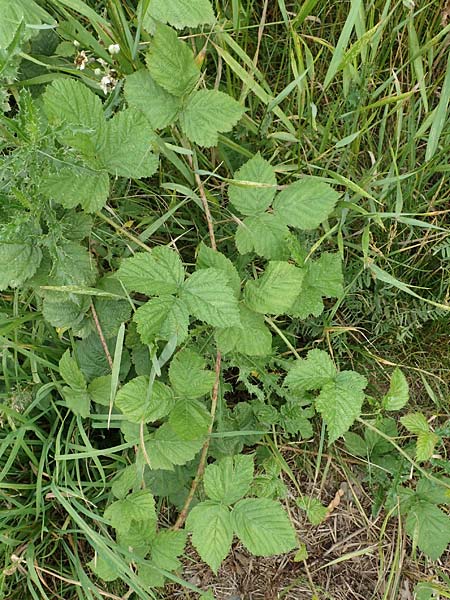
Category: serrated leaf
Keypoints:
(76, 225)
(208, 113)
(129, 150)
(311, 373)
(167, 547)
(138, 537)
(259, 189)
(306, 203)
(425, 445)
(72, 265)
(429, 527)
(207, 257)
(355, 444)
(171, 62)
(12, 17)
(295, 420)
(188, 375)
(315, 510)
(151, 576)
(131, 400)
(103, 568)
(165, 448)
(100, 389)
(229, 479)
(142, 92)
(18, 263)
(62, 311)
(189, 419)
(70, 372)
(340, 402)
(182, 13)
(212, 532)
(263, 527)
(415, 423)
(398, 393)
(77, 400)
(139, 506)
(209, 298)
(265, 234)
(276, 291)
(323, 278)
(72, 187)
(161, 318)
(111, 312)
(253, 338)
(92, 359)
(124, 482)
(155, 273)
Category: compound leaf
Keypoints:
(18, 263)
(162, 318)
(229, 479)
(167, 546)
(188, 375)
(207, 257)
(155, 273)
(264, 234)
(165, 448)
(252, 338)
(276, 291)
(311, 373)
(258, 189)
(429, 527)
(131, 400)
(138, 506)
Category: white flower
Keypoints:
(98, 71)
(108, 83)
(81, 60)
(114, 49)
(76, 43)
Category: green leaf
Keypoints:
(355, 444)
(264, 234)
(182, 13)
(207, 257)
(229, 479)
(398, 393)
(167, 547)
(340, 402)
(425, 445)
(111, 312)
(189, 419)
(155, 273)
(138, 537)
(72, 187)
(276, 291)
(188, 375)
(165, 448)
(72, 106)
(142, 92)
(77, 400)
(161, 318)
(315, 510)
(130, 145)
(72, 265)
(171, 62)
(150, 576)
(100, 389)
(323, 278)
(62, 311)
(209, 298)
(103, 568)
(263, 527)
(305, 204)
(71, 373)
(212, 532)
(12, 17)
(259, 187)
(18, 263)
(124, 481)
(253, 337)
(311, 373)
(139, 506)
(131, 400)
(208, 113)
(415, 423)
(295, 420)
(429, 527)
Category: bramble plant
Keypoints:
(181, 348)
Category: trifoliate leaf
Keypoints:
(311, 373)
(340, 402)
(212, 532)
(429, 527)
(129, 151)
(143, 93)
(155, 273)
(77, 400)
(253, 338)
(71, 106)
(315, 510)
(188, 375)
(167, 547)
(264, 234)
(72, 187)
(103, 568)
(258, 189)
(100, 389)
(18, 263)
(139, 506)
(263, 527)
(189, 419)
(208, 113)
(398, 393)
(131, 399)
(70, 372)
(305, 204)
(171, 62)
(165, 448)
(209, 298)
(161, 318)
(276, 290)
(182, 13)
(323, 278)
(229, 479)
(207, 257)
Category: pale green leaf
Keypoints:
(138, 506)
(340, 402)
(188, 375)
(72, 187)
(124, 481)
(61, 311)
(18, 262)
(229, 479)
(151, 576)
(425, 445)
(155, 273)
(208, 113)
(306, 203)
(209, 298)
(259, 187)
(77, 400)
(71, 373)
(253, 338)
(398, 393)
(207, 257)
(131, 400)
(165, 448)
(264, 234)
(161, 318)
(212, 532)
(429, 527)
(315, 510)
(171, 62)
(189, 419)
(72, 265)
(158, 106)
(182, 13)
(415, 423)
(11, 17)
(100, 390)
(167, 547)
(276, 290)
(263, 527)
(137, 538)
(311, 373)
(103, 568)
